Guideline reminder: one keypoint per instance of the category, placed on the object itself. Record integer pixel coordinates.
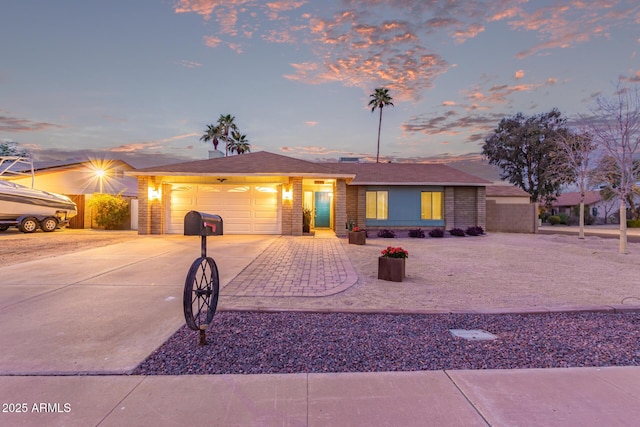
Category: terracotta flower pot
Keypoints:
(358, 237)
(391, 269)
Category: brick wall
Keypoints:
(143, 205)
(296, 213)
(449, 217)
(287, 212)
(340, 208)
(511, 217)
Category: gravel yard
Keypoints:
(261, 343)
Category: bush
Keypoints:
(387, 234)
(553, 219)
(457, 232)
(564, 218)
(474, 231)
(109, 211)
(436, 232)
(417, 232)
(633, 223)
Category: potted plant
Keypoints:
(306, 220)
(391, 265)
(357, 236)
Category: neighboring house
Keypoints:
(80, 180)
(507, 194)
(265, 193)
(592, 200)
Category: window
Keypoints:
(431, 205)
(377, 204)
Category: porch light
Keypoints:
(287, 194)
(154, 194)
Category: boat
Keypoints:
(30, 209)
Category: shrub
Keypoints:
(109, 211)
(474, 231)
(417, 232)
(457, 232)
(387, 234)
(436, 232)
(633, 223)
(564, 218)
(554, 219)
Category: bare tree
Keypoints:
(574, 152)
(616, 130)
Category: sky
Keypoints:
(141, 80)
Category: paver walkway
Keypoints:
(296, 267)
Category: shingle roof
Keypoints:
(265, 163)
(505, 191)
(256, 163)
(408, 174)
(573, 199)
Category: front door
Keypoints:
(322, 218)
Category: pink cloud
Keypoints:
(17, 125)
(519, 74)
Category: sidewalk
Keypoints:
(533, 397)
(72, 324)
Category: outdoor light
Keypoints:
(100, 173)
(154, 194)
(287, 194)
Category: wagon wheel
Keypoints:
(201, 290)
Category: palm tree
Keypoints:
(211, 134)
(380, 99)
(225, 125)
(239, 143)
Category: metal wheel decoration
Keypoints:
(201, 290)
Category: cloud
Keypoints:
(360, 44)
(151, 145)
(633, 78)
(311, 123)
(189, 64)
(450, 123)
(17, 125)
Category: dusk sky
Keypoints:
(140, 80)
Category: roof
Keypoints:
(573, 199)
(506, 191)
(263, 163)
(408, 174)
(255, 163)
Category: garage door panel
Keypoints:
(244, 209)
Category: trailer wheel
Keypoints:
(4, 227)
(49, 224)
(28, 225)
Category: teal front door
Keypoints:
(322, 216)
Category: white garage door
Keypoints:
(245, 209)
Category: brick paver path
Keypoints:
(295, 267)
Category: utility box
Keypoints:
(202, 224)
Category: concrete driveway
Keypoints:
(104, 310)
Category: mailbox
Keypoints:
(202, 224)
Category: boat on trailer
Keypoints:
(30, 209)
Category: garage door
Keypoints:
(245, 209)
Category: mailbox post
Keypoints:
(202, 285)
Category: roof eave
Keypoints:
(448, 183)
(223, 173)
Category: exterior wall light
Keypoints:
(154, 194)
(287, 194)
